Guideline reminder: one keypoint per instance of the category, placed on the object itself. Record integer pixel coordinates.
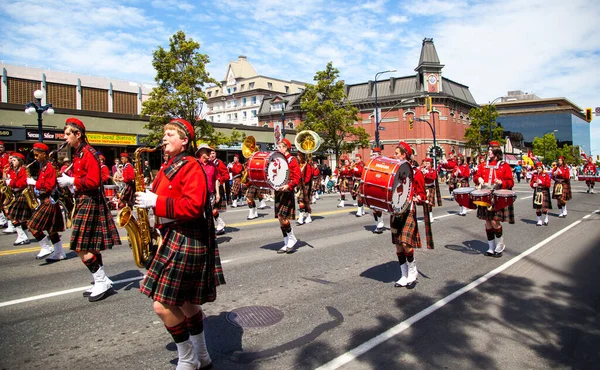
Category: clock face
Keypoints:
(432, 79)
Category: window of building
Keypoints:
(243, 102)
(229, 117)
(254, 100)
(251, 85)
(65, 96)
(244, 115)
(253, 112)
(209, 94)
(265, 124)
(235, 117)
(270, 85)
(291, 124)
(300, 89)
(287, 89)
(124, 102)
(242, 87)
(234, 89)
(94, 99)
(218, 118)
(229, 90)
(235, 102)
(20, 91)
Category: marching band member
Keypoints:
(19, 212)
(405, 230)
(495, 174)
(285, 207)
(449, 165)
(511, 207)
(128, 196)
(305, 189)
(252, 193)
(590, 169)
(562, 186)
(48, 216)
(186, 270)
(236, 173)
(540, 182)
(104, 171)
(221, 205)
(93, 227)
(344, 176)
(4, 166)
(357, 171)
(429, 175)
(461, 175)
(212, 180)
(316, 182)
(377, 215)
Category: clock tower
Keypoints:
(429, 69)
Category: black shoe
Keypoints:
(206, 367)
(497, 255)
(100, 297)
(378, 231)
(86, 294)
(221, 232)
(24, 242)
(546, 223)
(490, 254)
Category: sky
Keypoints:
(549, 48)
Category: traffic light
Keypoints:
(410, 123)
(588, 114)
(428, 103)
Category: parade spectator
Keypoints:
(148, 176)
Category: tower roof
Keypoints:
(429, 57)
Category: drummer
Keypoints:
(377, 215)
(590, 170)
(562, 186)
(429, 174)
(540, 182)
(405, 230)
(461, 175)
(344, 176)
(285, 207)
(496, 174)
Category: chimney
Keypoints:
(371, 84)
(242, 57)
(392, 84)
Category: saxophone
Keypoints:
(29, 193)
(143, 239)
(9, 196)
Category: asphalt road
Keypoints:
(334, 299)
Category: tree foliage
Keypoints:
(546, 147)
(477, 135)
(329, 113)
(180, 77)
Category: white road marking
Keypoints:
(73, 290)
(390, 333)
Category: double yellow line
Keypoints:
(246, 223)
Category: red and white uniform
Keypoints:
(590, 169)
(46, 181)
(495, 170)
(236, 170)
(105, 173)
(461, 174)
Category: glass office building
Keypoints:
(534, 118)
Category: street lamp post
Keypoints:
(33, 107)
(544, 139)
(377, 107)
(490, 104)
(434, 139)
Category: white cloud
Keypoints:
(395, 19)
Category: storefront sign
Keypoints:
(5, 133)
(104, 138)
(48, 135)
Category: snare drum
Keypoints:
(461, 195)
(503, 198)
(268, 170)
(110, 191)
(482, 197)
(386, 184)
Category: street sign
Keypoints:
(597, 110)
(381, 128)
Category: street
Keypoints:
(332, 303)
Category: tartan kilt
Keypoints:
(355, 188)
(590, 182)
(451, 183)
(430, 195)
(19, 211)
(305, 197)
(503, 215)
(222, 204)
(428, 228)
(251, 192)
(236, 187)
(405, 229)
(263, 193)
(345, 184)
(566, 191)
(128, 196)
(47, 217)
(285, 205)
(93, 226)
(546, 200)
(185, 269)
(316, 184)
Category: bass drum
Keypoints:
(268, 170)
(386, 185)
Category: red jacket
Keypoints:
(315, 172)
(105, 173)
(307, 174)
(463, 171)
(590, 168)
(563, 175)
(182, 194)
(18, 180)
(4, 161)
(128, 173)
(86, 169)
(429, 177)
(295, 175)
(223, 171)
(212, 175)
(236, 169)
(544, 177)
(495, 170)
(47, 179)
(450, 164)
(346, 171)
(357, 170)
(418, 185)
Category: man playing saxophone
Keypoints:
(19, 211)
(4, 166)
(93, 227)
(47, 217)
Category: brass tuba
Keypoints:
(307, 141)
(143, 239)
(248, 149)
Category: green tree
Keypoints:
(546, 147)
(180, 77)
(570, 153)
(330, 114)
(477, 135)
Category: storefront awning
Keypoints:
(511, 159)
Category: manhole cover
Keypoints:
(255, 316)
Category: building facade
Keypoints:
(399, 99)
(529, 117)
(238, 99)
